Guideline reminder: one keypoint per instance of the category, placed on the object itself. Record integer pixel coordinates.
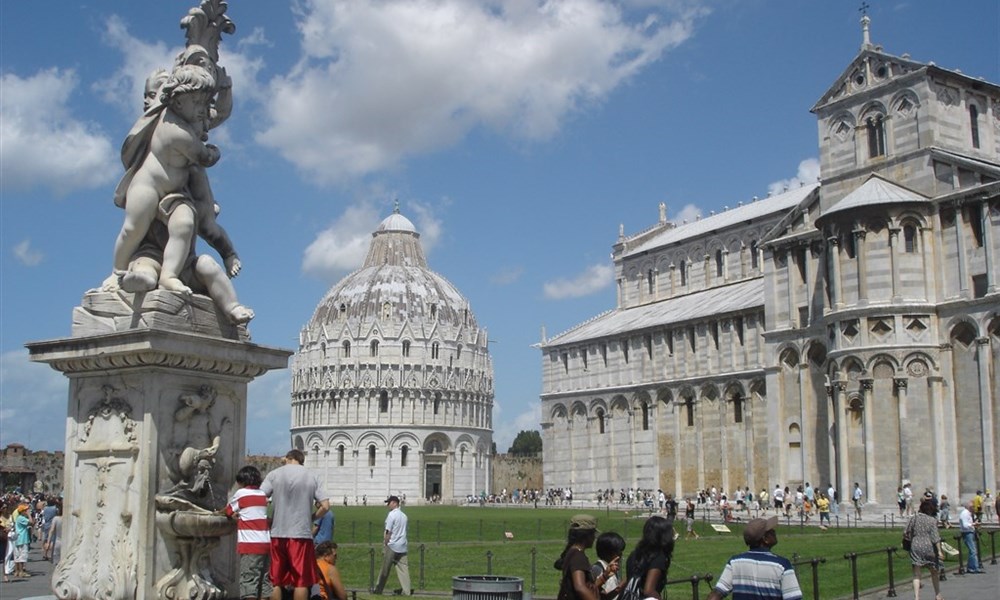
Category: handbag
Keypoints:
(907, 539)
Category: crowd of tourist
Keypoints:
(756, 573)
(27, 519)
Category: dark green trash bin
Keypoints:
(487, 587)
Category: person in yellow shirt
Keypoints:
(977, 506)
(823, 505)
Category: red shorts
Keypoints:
(293, 562)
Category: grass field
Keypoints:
(450, 541)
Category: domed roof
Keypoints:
(396, 222)
(394, 283)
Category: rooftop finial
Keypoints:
(396, 207)
(866, 40)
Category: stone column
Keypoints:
(894, 262)
(869, 437)
(840, 411)
(156, 431)
(988, 251)
(904, 443)
(835, 283)
(927, 253)
(678, 480)
(724, 445)
(986, 409)
(859, 252)
(963, 268)
(938, 424)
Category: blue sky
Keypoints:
(517, 135)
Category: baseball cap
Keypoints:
(583, 522)
(754, 532)
(392, 499)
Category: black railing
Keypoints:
(814, 564)
(693, 581)
(853, 558)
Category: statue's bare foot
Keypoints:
(113, 282)
(240, 314)
(172, 284)
(135, 282)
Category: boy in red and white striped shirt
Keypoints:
(253, 537)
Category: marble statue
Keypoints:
(159, 359)
(165, 191)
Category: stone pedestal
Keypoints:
(155, 432)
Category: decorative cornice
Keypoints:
(159, 349)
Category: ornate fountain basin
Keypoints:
(190, 524)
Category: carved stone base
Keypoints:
(151, 413)
(108, 312)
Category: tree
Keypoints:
(526, 443)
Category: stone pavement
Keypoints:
(36, 585)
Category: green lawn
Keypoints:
(450, 541)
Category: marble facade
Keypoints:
(841, 332)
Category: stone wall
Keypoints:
(33, 471)
(511, 472)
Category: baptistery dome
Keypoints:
(392, 387)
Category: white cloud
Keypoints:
(689, 213)
(32, 403)
(43, 144)
(506, 429)
(381, 81)
(506, 276)
(125, 87)
(269, 402)
(342, 247)
(27, 255)
(594, 279)
(808, 173)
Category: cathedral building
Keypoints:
(847, 331)
(392, 386)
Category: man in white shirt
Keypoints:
(779, 498)
(967, 525)
(395, 549)
(856, 498)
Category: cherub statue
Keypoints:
(167, 196)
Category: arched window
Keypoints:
(340, 455)
(718, 263)
(600, 420)
(875, 127)
(645, 417)
(650, 281)
(437, 403)
(435, 349)
(374, 347)
(383, 402)
(458, 352)
(406, 347)
(738, 409)
(684, 273)
(404, 451)
(689, 409)
(974, 124)
(347, 349)
(371, 455)
(909, 239)
(343, 310)
(754, 254)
